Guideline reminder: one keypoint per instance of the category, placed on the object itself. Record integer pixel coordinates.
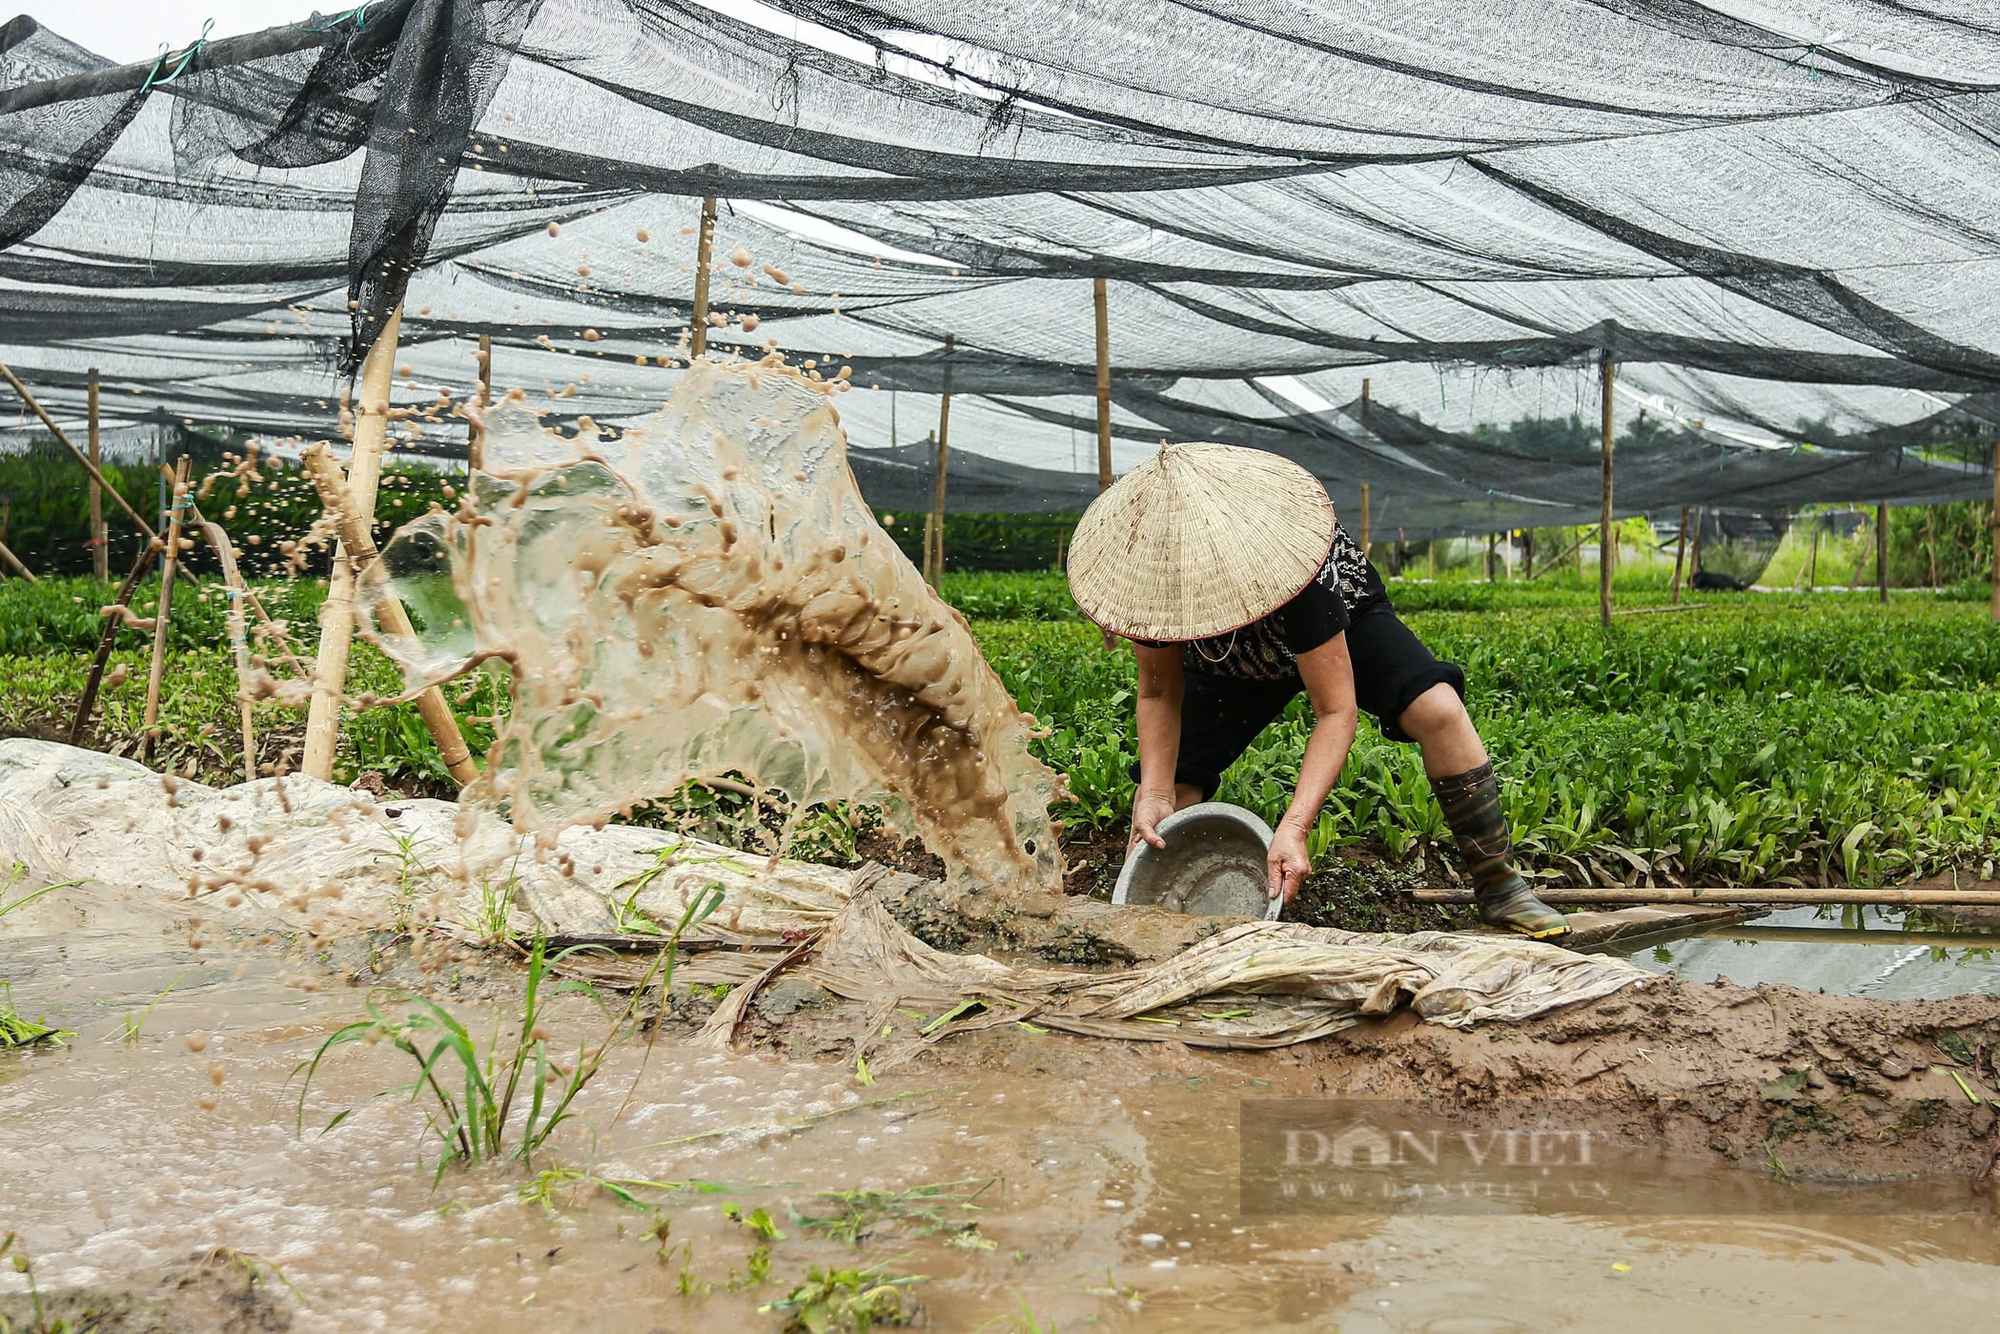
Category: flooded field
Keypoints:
(1034, 1180)
(1864, 952)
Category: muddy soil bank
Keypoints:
(217, 1292)
(1772, 1081)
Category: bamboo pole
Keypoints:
(1606, 549)
(198, 520)
(96, 476)
(1882, 549)
(100, 559)
(704, 252)
(1812, 562)
(1365, 517)
(1101, 302)
(935, 558)
(239, 644)
(1564, 554)
(1736, 894)
(1680, 556)
(475, 444)
(88, 703)
(1995, 608)
(1491, 538)
(169, 563)
(336, 614)
(13, 563)
(337, 496)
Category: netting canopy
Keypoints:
(1376, 239)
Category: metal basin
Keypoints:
(1213, 865)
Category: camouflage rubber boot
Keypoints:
(1471, 802)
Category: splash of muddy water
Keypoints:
(709, 592)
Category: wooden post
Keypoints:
(1680, 556)
(239, 643)
(1364, 403)
(1882, 550)
(704, 252)
(145, 528)
(1365, 518)
(1605, 537)
(100, 568)
(84, 706)
(1812, 563)
(935, 559)
(338, 498)
(169, 562)
(336, 614)
(475, 443)
(1103, 385)
(1995, 609)
(1491, 538)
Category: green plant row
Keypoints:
(1755, 786)
(1764, 741)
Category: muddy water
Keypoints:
(1116, 1205)
(1867, 953)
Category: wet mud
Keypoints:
(1108, 1173)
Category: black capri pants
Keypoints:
(1222, 715)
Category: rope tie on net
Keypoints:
(359, 14)
(194, 49)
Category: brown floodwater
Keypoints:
(1114, 1205)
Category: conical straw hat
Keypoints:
(1199, 540)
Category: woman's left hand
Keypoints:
(1287, 861)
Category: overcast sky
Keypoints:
(129, 30)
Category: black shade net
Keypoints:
(1783, 239)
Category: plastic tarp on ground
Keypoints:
(297, 855)
(1779, 225)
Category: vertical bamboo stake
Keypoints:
(475, 445)
(704, 252)
(62, 436)
(84, 706)
(239, 644)
(1527, 554)
(1364, 403)
(1882, 550)
(1605, 550)
(169, 563)
(1812, 563)
(936, 528)
(1680, 556)
(339, 500)
(1491, 538)
(100, 567)
(1099, 300)
(1995, 609)
(336, 614)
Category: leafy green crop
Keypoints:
(1761, 739)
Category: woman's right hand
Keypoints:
(1148, 809)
